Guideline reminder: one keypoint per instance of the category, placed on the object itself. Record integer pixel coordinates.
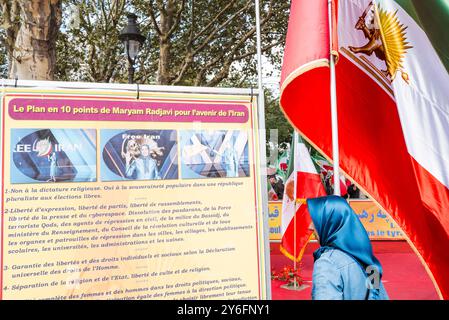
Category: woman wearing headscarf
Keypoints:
(345, 267)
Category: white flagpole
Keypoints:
(259, 48)
(334, 114)
(295, 158)
(261, 111)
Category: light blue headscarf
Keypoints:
(339, 227)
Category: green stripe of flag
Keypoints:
(433, 18)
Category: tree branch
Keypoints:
(223, 73)
(153, 18)
(214, 32)
(254, 51)
(188, 60)
(211, 63)
(160, 5)
(231, 3)
(178, 19)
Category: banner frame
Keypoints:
(253, 95)
(35, 84)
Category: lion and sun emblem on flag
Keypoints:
(385, 39)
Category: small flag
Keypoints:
(303, 182)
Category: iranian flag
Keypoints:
(303, 182)
(282, 165)
(393, 107)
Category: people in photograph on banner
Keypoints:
(53, 166)
(214, 154)
(139, 155)
(53, 155)
(145, 167)
(231, 161)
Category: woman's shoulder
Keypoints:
(337, 258)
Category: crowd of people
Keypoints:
(348, 189)
(278, 186)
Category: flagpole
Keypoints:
(334, 114)
(295, 145)
(259, 48)
(261, 113)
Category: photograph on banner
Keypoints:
(53, 155)
(139, 155)
(214, 154)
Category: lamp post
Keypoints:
(133, 40)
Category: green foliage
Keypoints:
(3, 50)
(275, 120)
(189, 42)
(3, 57)
(88, 48)
(279, 132)
(200, 42)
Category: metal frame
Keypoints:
(250, 92)
(127, 87)
(263, 156)
(263, 183)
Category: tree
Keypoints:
(9, 23)
(204, 43)
(31, 28)
(3, 59)
(278, 129)
(189, 42)
(275, 120)
(88, 47)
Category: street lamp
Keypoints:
(133, 40)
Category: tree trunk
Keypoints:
(164, 59)
(166, 17)
(34, 54)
